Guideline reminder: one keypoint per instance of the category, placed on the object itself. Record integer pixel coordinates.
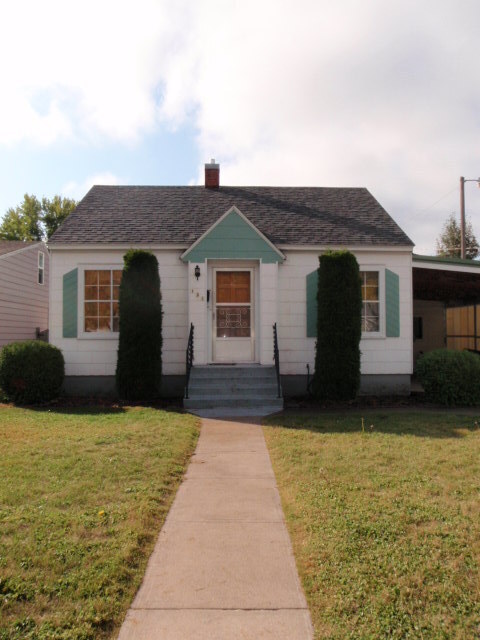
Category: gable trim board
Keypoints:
(233, 237)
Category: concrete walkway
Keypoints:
(223, 566)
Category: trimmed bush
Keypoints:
(450, 377)
(31, 371)
(337, 358)
(139, 361)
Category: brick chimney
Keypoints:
(212, 175)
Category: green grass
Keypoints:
(83, 494)
(385, 523)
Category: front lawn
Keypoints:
(83, 494)
(385, 523)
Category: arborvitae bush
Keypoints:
(450, 377)
(139, 361)
(337, 358)
(31, 371)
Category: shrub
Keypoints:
(31, 371)
(139, 361)
(450, 377)
(337, 358)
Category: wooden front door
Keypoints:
(233, 316)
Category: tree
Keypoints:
(337, 357)
(55, 211)
(139, 358)
(449, 241)
(23, 222)
(35, 220)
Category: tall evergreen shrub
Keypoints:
(337, 358)
(139, 361)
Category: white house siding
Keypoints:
(97, 356)
(268, 310)
(23, 302)
(380, 355)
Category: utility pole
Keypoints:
(462, 212)
(462, 217)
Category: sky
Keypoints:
(371, 93)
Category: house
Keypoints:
(24, 278)
(233, 262)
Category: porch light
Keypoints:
(197, 272)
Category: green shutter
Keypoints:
(70, 302)
(392, 304)
(312, 305)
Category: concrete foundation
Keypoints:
(374, 385)
(172, 386)
(292, 386)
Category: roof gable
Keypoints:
(233, 237)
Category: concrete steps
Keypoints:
(226, 390)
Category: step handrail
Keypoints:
(276, 357)
(189, 357)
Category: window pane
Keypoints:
(371, 277)
(91, 324)
(104, 324)
(116, 324)
(233, 286)
(104, 277)
(116, 293)
(91, 293)
(370, 293)
(104, 309)
(233, 322)
(91, 277)
(115, 308)
(371, 324)
(117, 276)
(91, 309)
(104, 293)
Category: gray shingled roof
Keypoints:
(180, 215)
(7, 246)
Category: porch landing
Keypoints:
(233, 390)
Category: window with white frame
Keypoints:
(370, 301)
(41, 268)
(101, 295)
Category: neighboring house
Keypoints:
(24, 279)
(233, 261)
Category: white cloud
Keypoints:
(374, 94)
(305, 92)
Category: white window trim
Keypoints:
(381, 334)
(41, 267)
(92, 335)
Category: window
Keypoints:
(41, 267)
(102, 288)
(370, 301)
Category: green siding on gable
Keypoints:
(312, 305)
(392, 304)
(70, 297)
(233, 239)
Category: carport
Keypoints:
(446, 304)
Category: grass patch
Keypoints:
(385, 523)
(83, 494)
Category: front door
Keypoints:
(233, 315)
